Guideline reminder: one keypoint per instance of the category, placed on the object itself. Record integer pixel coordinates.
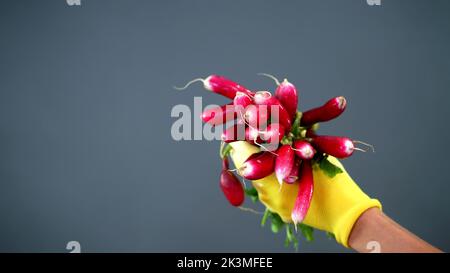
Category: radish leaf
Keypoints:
(252, 193)
(307, 232)
(329, 168)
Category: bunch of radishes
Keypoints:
(295, 145)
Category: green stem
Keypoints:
(265, 216)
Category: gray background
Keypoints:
(85, 101)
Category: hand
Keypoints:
(336, 204)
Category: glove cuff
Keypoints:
(345, 225)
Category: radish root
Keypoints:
(189, 83)
(250, 210)
(270, 76)
(365, 144)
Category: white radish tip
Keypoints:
(263, 94)
(349, 146)
(280, 178)
(342, 102)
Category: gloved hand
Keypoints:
(336, 203)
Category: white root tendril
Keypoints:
(270, 76)
(243, 182)
(189, 83)
(358, 149)
(365, 144)
(251, 210)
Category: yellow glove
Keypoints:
(336, 203)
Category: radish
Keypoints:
(234, 133)
(241, 101)
(265, 98)
(232, 188)
(252, 135)
(330, 110)
(286, 93)
(258, 166)
(284, 162)
(273, 134)
(293, 176)
(219, 115)
(305, 192)
(220, 85)
(340, 147)
(303, 149)
(256, 115)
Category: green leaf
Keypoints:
(307, 232)
(277, 223)
(330, 235)
(252, 193)
(275, 228)
(329, 168)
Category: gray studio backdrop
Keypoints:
(86, 94)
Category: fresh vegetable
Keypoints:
(242, 100)
(253, 135)
(258, 166)
(219, 115)
(340, 147)
(284, 162)
(294, 175)
(330, 110)
(303, 149)
(289, 146)
(220, 85)
(286, 93)
(273, 134)
(256, 115)
(234, 133)
(231, 186)
(305, 192)
(277, 110)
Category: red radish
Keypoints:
(293, 176)
(241, 101)
(252, 135)
(220, 85)
(286, 93)
(340, 147)
(234, 133)
(303, 149)
(330, 110)
(273, 134)
(284, 162)
(305, 192)
(232, 188)
(310, 133)
(219, 115)
(265, 98)
(258, 166)
(256, 115)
